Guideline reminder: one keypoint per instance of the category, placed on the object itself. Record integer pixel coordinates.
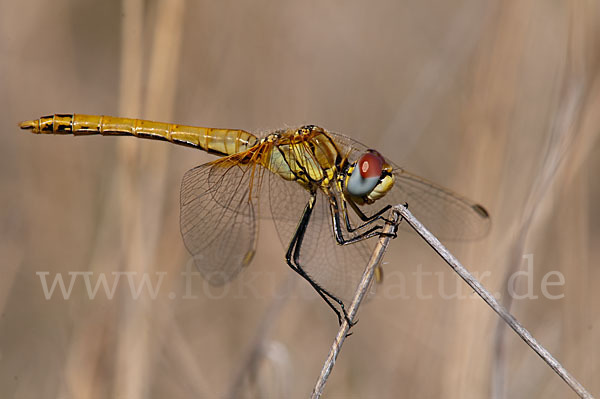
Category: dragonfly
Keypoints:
(327, 194)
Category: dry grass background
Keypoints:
(498, 100)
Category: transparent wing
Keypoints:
(218, 216)
(445, 213)
(336, 268)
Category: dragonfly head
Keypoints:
(369, 178)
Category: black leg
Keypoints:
(292, 258)
(337, 228)
(366, 219)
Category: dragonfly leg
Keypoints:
(366, 219)
(292, 258)
(337, 226)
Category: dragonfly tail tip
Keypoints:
(30, 125)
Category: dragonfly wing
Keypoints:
(334, 267)
(443, 212)
(446, 214)
(218, 217)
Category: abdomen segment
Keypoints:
(220, 141)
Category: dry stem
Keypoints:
(360, 293)
(491, 300)
(465, 275)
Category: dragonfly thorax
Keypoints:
(271, 138)
(307, 155)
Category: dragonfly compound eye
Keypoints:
(366, 174)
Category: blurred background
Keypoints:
(497, 100)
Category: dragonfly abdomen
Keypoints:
(220, 141)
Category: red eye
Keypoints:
(370, 164)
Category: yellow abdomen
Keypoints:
(220, 141)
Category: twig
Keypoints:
(360, 293)
(491, 300)
(464, 274)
